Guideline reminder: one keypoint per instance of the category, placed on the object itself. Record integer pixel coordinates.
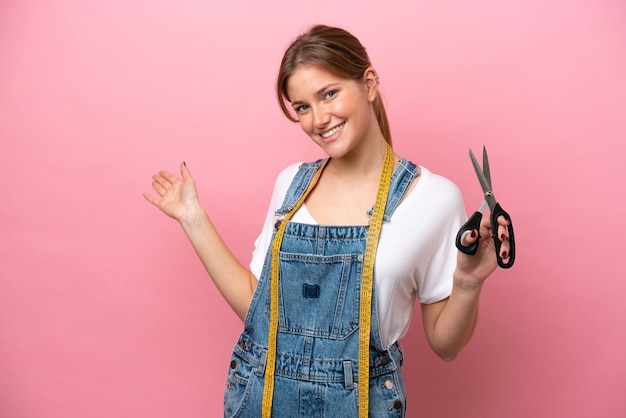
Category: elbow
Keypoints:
(446, 354)
(448, 349)
(447, 357)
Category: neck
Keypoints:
(362, 163)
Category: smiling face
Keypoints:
(336, 113)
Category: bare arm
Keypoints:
(179, 200)
(450, 323)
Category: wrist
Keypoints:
(192, 216)
(467, 282)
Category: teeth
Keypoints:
(332, 131)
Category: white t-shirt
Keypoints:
(416, 253)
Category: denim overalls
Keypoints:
(317, 343)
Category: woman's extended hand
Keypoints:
(178, 197)
(474, 269)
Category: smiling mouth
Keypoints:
(332, 131)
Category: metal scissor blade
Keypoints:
(483, 206)
(486, 170)
(484, 182)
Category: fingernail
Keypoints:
(473, 234)
(504, 254)
(502, 237)
(185, 164)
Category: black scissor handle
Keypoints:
(495, 213)
(472, 223)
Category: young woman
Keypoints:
(321, 319)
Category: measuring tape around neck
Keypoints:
(365, 307)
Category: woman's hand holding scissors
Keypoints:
(476, 268)
(485, 243)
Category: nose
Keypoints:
(321, 117)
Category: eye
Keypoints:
(330, 94)
(301, 108)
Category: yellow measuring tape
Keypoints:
(375, 226)
(376, 223)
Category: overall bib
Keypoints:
(317, 351)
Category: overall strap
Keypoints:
(299, 185)
(401, 180)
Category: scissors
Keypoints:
(484, 177)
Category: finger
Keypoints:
(469, 237)
(169, 177)
(503, 221)
(161, 181)
(184, 171)
(485, 225)
(503, 236)
(505, 250)
(151, 199)
(160, 189)
(503, 232)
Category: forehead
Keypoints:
(309, 80)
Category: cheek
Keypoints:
(305, 124)
(342, 107)
(352, 105)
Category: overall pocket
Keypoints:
(239, 386)
(319, 295)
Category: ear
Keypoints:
(371, 80)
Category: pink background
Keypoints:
(105, 310)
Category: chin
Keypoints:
(334, 149)
(334, 152)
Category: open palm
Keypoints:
(177, 195)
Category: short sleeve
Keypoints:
(262, 243)
(445, 216)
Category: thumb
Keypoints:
(469, 237)
(184, 171)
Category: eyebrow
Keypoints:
(317, 93)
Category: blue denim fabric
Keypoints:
(317, 343)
